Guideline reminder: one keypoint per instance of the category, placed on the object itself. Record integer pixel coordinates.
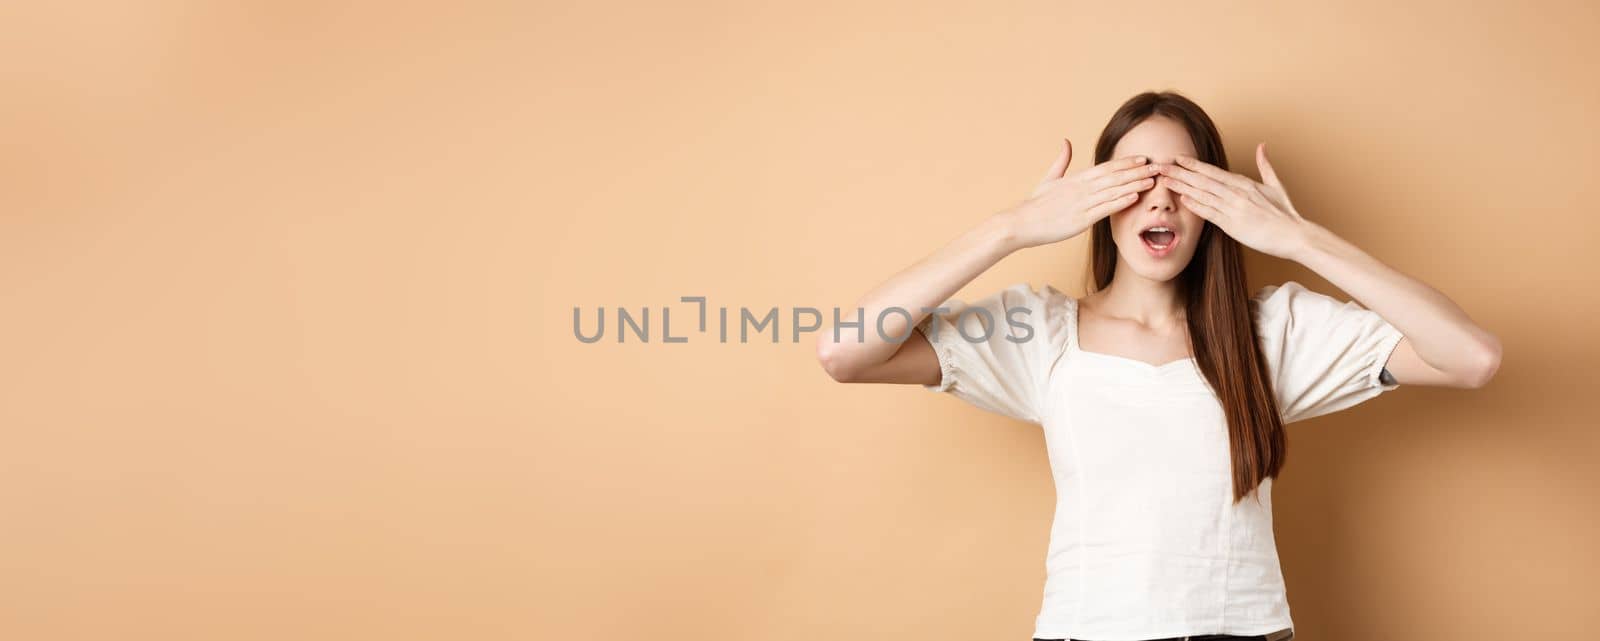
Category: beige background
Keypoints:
(286, 293)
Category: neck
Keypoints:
(1154, 303)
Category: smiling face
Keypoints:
(1161, 254)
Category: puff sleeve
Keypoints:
(996, 353)
(1323, 355)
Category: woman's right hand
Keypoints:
(1065, 205)
(1061, 207)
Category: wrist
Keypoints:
(1000, 232)
(1315, 243)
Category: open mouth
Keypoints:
(1159, 239)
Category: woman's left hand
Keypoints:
(1256, 214)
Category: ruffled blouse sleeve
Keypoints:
(1323, 355)
(997, 352)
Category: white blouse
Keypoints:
(1146, 541)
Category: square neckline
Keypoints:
(1072, 341)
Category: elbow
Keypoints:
(1486, 362)
(834, 361)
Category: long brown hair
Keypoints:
(1216, 300)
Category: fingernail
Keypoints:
(1143, 159)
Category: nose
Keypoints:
(1159, 198)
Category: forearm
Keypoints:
(916, 289)
(1440, 332)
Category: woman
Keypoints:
(1163, 392)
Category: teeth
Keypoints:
(1158, 229)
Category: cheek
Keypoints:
(1120, 224)
(1196, 226)
(1117, 217)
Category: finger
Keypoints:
(1201, 209)
(1124, 176)
(1059, 167)
(1118, 191)
(1198, 180)
(1267, 174)
(1115, 164)
(1210, 199)
(1112, 206)
(1219, 174)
